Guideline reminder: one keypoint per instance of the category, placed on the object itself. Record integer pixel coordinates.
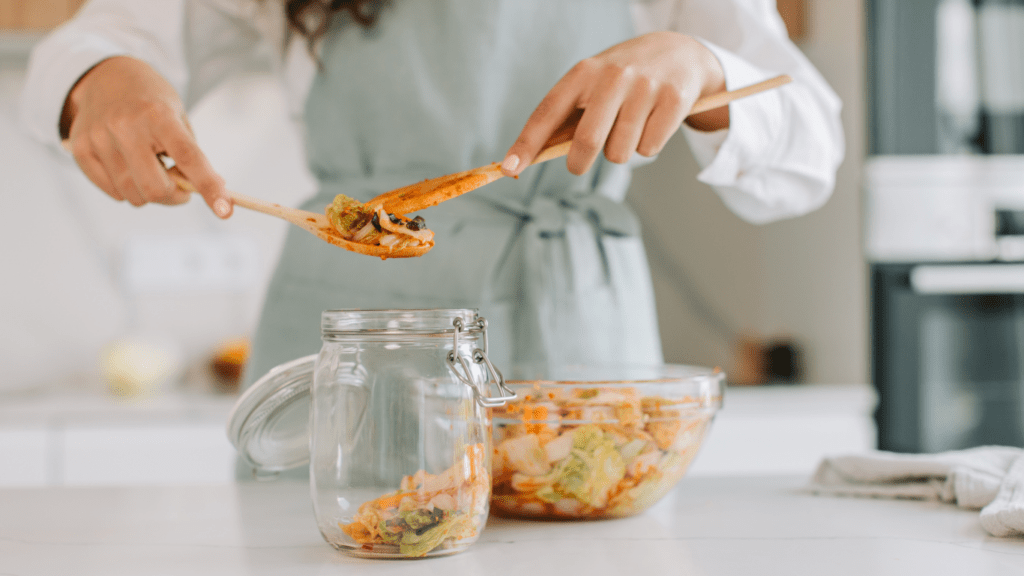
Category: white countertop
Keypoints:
(708, 526)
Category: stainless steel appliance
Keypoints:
(945, 238)
(944, 219)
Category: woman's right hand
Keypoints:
(118, 117)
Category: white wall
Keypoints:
(803, 278)
(819, 276)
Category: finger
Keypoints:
(179, 144)
(565, 130)
(667, 116)
(557, 106)
(148, 173)
(94, 169)
(597, 121)
(116, 168)
(629, 124)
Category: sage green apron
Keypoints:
(553, 261)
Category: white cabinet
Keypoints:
(786, 429)
(24, 455)
(180, 440)
(137, 455)
(759, 445)
(93, 439)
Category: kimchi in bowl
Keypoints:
(598, 442)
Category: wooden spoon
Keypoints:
(432, 192)
(318, 225)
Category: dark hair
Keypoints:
(312, 18)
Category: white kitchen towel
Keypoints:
(990, 478)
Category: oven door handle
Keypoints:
(968, 279)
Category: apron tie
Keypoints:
(547, 223)
(548, 216)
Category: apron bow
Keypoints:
(549, 216)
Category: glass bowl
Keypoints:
(598, 442)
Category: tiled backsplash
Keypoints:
(64, 294)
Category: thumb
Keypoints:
(527, 149)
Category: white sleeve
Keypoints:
(192, 43)
(780, 154)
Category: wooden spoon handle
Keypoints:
(722, 98)
(552, 152)
(258, 205)
(561, 148)
(292, 215)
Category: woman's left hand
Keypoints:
(633, 97)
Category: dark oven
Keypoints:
(945, 241)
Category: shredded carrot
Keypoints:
(389, 500)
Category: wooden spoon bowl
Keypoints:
(316, 224)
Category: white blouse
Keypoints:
(777, 159)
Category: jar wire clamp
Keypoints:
(462, 370)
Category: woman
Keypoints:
(395, 92)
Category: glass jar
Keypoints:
(399, 441)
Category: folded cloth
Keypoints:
(990, 478)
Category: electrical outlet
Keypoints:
(190, 262)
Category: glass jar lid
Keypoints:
(368, 324)
(269, 424)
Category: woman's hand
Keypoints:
(633, 97)
(118, 118)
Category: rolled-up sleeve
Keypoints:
(779, 156)
(193, 44)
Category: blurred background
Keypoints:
(891, 317)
